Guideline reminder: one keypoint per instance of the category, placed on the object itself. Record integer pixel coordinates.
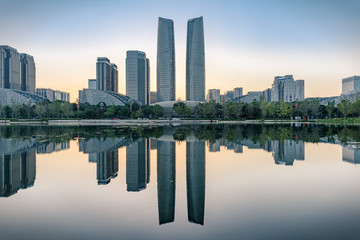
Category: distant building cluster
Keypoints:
(214, 95)
(53, 95)
(18, 80)
(284, 88)
(17, 70)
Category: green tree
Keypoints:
(158, 111)
(330, 109)
(344, 107)
(285, 110)
(314, 106)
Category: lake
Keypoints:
(180, 182)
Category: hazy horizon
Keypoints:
(247, 43)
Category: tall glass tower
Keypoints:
(195, 60)
(136, 76)
(165, 61)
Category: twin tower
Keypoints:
(195, 61)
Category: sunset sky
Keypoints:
(247, 43)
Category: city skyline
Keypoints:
(260, 40)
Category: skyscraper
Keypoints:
(10, 76)
(165, 61)
(114, 77)
(27, 73)
(103, 74)
(147, 92)
(136, 76)
(195, 60)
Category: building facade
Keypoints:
(165, 61)
(153, 97)
(92, 84)
(114, 78)
(136, 76)
(53, 95)
(195, 60)
(238, 92)
(351, 84)
(286, 89)
(27, 73)
(103, 74)
(213, 95)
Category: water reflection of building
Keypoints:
(284, 152)
(103, 152)
(195, 176)
(53, 147)
(351, 154)
(166, 181)
(107, 165)
(17, 171)
(287, 151)
(214, 146)
(137, 165)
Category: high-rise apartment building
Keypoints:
(195, 60)
(136, 76)
(27, 73)
(10, 75)
(114, 77)
(17, 70)
(286, 89)
(165, 60)
(238, 92)
(213, 94)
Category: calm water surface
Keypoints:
(195, 182)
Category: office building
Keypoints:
(147, 92)
(238, 92)
(153, 97)
(195, 60)
(10, 73)
(114, 77)
(103, 74)
(286, 89)
(136, 76)
(92, 84)
(27, 73)
(351, 84)
(213, 95)
(165, 61)
(267, 95)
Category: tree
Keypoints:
(314, 106)
(285, 110)
(40, 110)
(158, 111)
(330, 108)
(344, 107)
(181, 109)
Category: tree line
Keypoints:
(258, 109)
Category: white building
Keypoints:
(351, 84)
(213, 94)
(286, 89)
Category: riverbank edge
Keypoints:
(136, 122)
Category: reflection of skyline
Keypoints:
(103, 152)
(17, 171)
(166, 181)
(137, 169)
(284, 152)
(195, 181)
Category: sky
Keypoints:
(247, 42)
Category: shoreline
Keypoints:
(136, 122)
